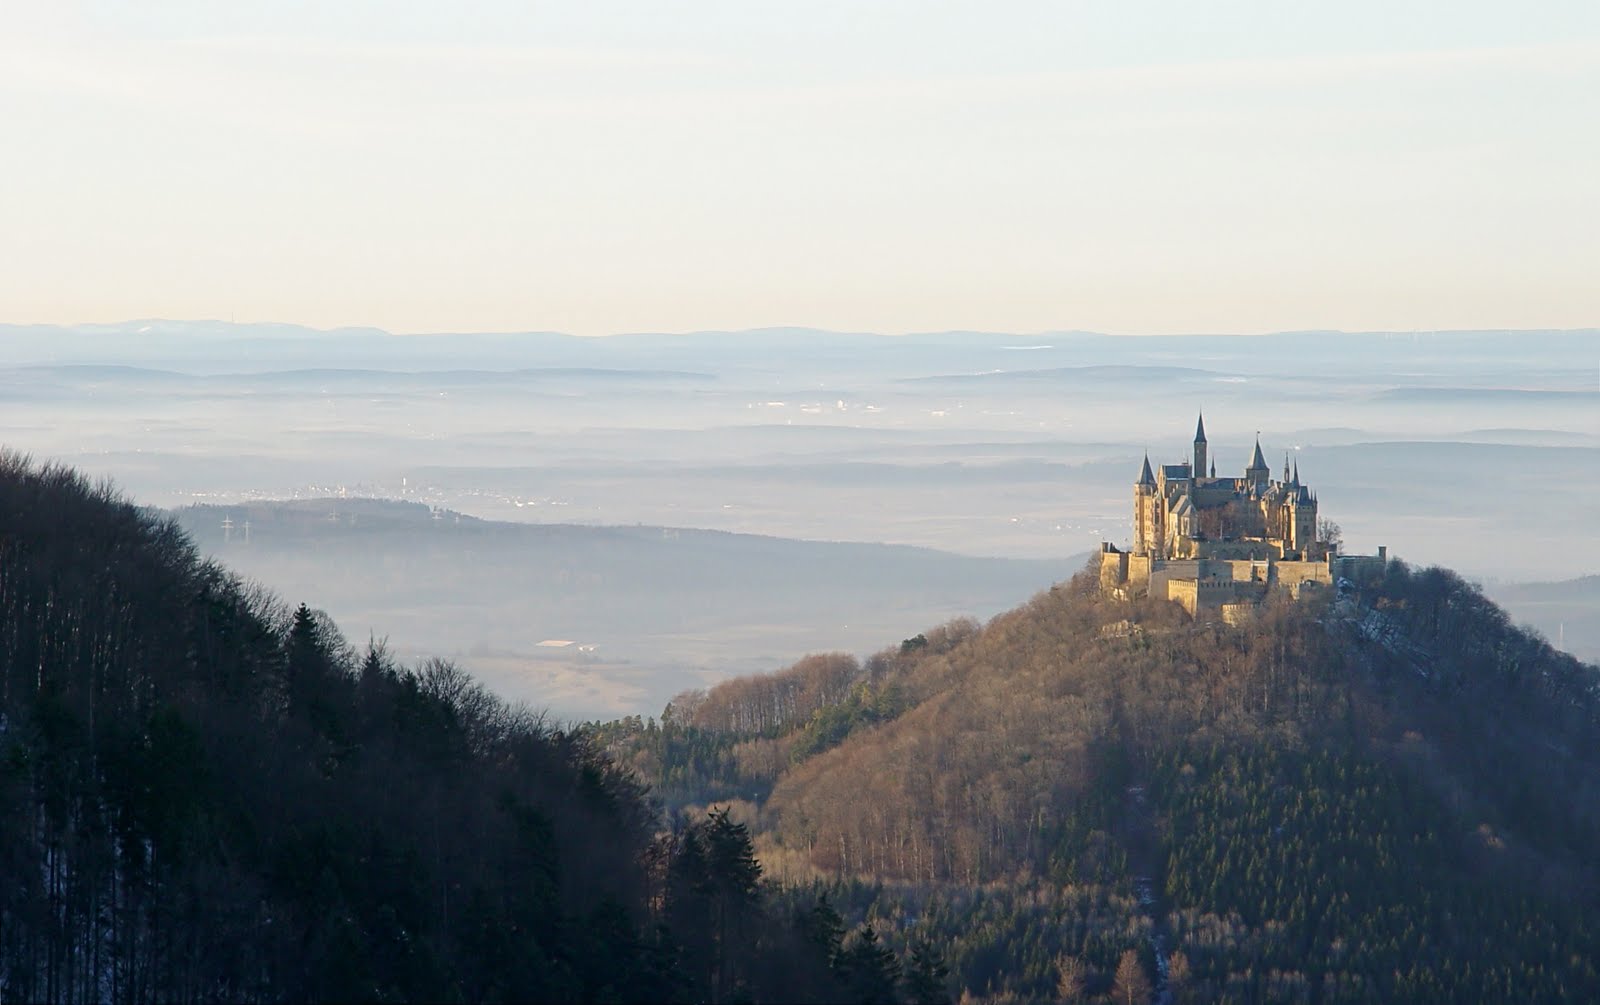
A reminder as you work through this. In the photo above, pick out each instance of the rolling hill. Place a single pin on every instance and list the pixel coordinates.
(1389, 795)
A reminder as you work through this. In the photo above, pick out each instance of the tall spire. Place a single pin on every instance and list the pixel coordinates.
(1258, 462)
(1147, 477)
(1200, 429)
(1200, 449)
(1258, 473)
(1286, 467)
(1297, 471)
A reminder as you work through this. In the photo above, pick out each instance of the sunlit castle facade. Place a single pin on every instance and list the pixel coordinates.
(1181, 511)
(1218, 544)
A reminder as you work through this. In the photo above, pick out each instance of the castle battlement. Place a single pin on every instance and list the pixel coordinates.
(1220, 544)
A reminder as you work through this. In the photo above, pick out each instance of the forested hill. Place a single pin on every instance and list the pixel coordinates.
(208, 796)
(1390, 795)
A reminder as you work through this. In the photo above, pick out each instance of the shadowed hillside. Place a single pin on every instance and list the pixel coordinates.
(208, 796)
(1392, 795)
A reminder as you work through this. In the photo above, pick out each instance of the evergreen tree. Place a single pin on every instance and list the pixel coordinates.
(731, 858)
(714, 901)
(870, 971)
(927, 977)
(822, 927)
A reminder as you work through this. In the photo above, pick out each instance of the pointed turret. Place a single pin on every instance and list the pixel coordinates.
(1296, 482)
(1200, 448)
(1258, 472)
(1200, 429)
(1145, 510)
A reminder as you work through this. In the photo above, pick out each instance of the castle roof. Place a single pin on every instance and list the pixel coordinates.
(1145, 476)
(1258, 462)
(1200, 430)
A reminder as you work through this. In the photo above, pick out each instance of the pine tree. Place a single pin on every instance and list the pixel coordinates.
(823, 927)
(731, 857)
(869, 969)
(926, 979)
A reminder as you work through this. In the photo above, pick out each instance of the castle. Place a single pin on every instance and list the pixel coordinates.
(1217, 545)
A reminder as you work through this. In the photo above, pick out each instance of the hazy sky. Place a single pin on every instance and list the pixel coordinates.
(607, 166)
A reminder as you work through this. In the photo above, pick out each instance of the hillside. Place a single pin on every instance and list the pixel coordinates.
(650, 606)
(1394, 795)
(206, 795)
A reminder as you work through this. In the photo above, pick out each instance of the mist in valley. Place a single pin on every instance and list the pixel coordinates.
(594, 524)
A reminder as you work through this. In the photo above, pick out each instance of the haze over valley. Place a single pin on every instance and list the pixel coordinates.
(1010, 456)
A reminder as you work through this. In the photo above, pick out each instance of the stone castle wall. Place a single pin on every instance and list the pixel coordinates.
(1294, 575)
(1229, 587)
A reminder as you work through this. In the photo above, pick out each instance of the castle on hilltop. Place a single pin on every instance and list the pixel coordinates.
(1217, 545)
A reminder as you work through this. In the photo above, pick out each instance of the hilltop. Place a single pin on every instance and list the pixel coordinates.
(1391, 794)
(178, 343)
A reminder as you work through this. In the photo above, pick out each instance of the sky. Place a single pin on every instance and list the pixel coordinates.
(886, 166)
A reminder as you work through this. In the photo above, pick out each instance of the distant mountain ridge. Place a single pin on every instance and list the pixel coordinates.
(1584, 587)
(285, 346)
(661, 606)
(425, 378)
(1100, 372)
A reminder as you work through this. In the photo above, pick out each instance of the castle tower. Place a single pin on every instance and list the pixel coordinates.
(1258, 473)
(1302, 529)
(1200, 448)
(1146, 532)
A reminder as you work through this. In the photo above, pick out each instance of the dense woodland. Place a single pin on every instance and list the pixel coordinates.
(207, 795)
(1384, 793)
